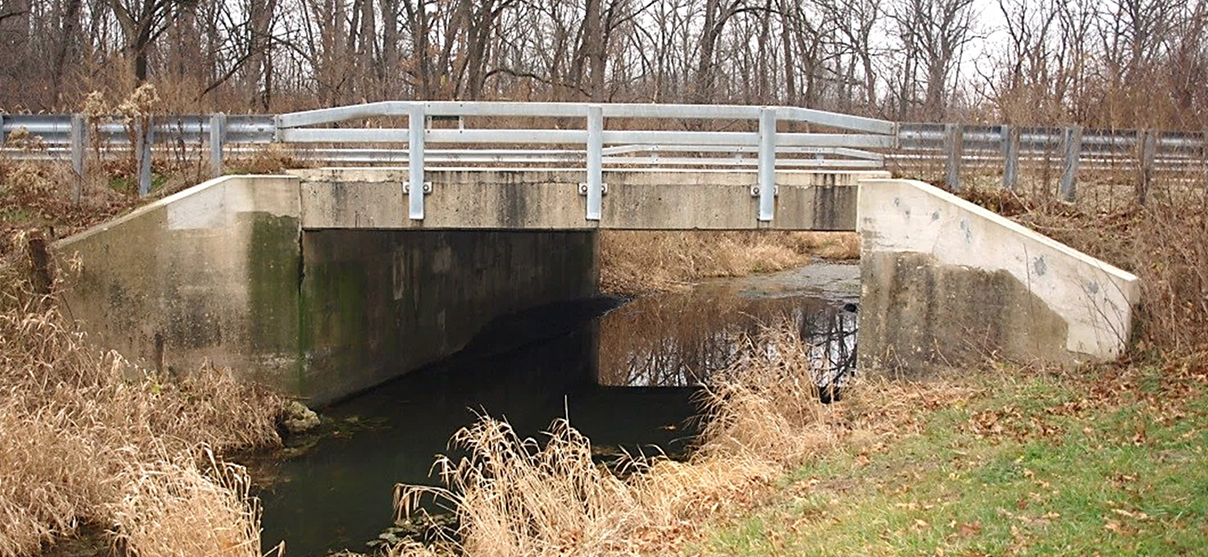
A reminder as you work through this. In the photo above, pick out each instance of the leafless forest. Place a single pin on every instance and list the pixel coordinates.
(1104, 63)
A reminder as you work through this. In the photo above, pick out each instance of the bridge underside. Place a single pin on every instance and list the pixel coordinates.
(543, 199)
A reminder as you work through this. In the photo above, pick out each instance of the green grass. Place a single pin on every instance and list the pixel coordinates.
(1038, 466)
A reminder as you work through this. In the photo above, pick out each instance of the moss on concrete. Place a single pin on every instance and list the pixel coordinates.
(274, 259)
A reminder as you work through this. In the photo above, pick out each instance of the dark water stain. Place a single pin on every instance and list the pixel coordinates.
(627, 376)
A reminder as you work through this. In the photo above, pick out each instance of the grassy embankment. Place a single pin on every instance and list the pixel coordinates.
(1005, 461)
(90, 442)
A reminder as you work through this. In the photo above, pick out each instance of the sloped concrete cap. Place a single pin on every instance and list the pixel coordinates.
(946, 281)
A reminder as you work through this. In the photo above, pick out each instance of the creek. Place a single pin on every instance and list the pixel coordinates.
(627, 374)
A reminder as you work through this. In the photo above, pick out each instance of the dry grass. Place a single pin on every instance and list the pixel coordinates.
(80, 443)
(518, 496)
(642, 261)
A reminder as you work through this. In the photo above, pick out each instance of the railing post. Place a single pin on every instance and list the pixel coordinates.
(1071, 147)
(217, 139)
(954, 148)
(146, 136)
(415, 161)
(1147, 142)
(595, 161)
(1010, 155)
(78, 149)
(767, 164)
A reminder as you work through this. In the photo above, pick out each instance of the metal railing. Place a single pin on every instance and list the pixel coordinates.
(637, 135)
(593, 144)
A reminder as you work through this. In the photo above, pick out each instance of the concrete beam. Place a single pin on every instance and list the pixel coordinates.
(946, 282)
(551, 200)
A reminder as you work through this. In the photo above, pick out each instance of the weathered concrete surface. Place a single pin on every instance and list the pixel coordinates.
(945, 282)
(203, 274)
(224, 271)
(550, 199)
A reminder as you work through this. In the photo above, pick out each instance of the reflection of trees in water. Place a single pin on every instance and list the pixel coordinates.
(831, 337)
(679, 339)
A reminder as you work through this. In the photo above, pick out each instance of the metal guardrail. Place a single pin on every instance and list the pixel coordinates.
(360, 134)
(1074, 147)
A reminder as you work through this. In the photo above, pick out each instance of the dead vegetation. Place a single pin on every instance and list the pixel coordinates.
(88, 438)
(633, 262)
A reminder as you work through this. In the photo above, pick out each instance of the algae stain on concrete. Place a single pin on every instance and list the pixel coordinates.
(274, 262)
(274, 259)
(333, 319)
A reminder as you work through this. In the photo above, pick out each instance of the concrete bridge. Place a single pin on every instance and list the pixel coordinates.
(323, 282)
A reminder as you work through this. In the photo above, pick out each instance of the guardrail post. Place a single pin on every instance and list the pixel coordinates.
(146, 136)
(1204, 157)
(415, 161)
(595, 161)
(1071, 147)
(954, 148)
(1148, 144)
(79, 144)
(217, 139)
(767, 164)
(1, 130)
(1010, 155)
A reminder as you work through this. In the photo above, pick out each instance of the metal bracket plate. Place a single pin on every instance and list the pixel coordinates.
(427, 187)
(583, 188)
(755, 191)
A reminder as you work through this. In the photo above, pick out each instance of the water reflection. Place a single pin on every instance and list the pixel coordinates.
(681, 339)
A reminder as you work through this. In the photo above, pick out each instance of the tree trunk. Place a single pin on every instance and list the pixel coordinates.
(69, 24)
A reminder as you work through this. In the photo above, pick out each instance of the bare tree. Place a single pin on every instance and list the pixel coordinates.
(933, 34)
(143, 22)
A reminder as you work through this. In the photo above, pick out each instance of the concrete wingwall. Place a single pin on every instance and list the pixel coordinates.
(225, 272)
(194, 277)
(946, 282)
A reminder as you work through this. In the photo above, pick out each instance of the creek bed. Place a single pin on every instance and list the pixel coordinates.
(627, 375)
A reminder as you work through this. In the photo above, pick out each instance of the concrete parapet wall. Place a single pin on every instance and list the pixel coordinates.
(946, 282)
(549, 199)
